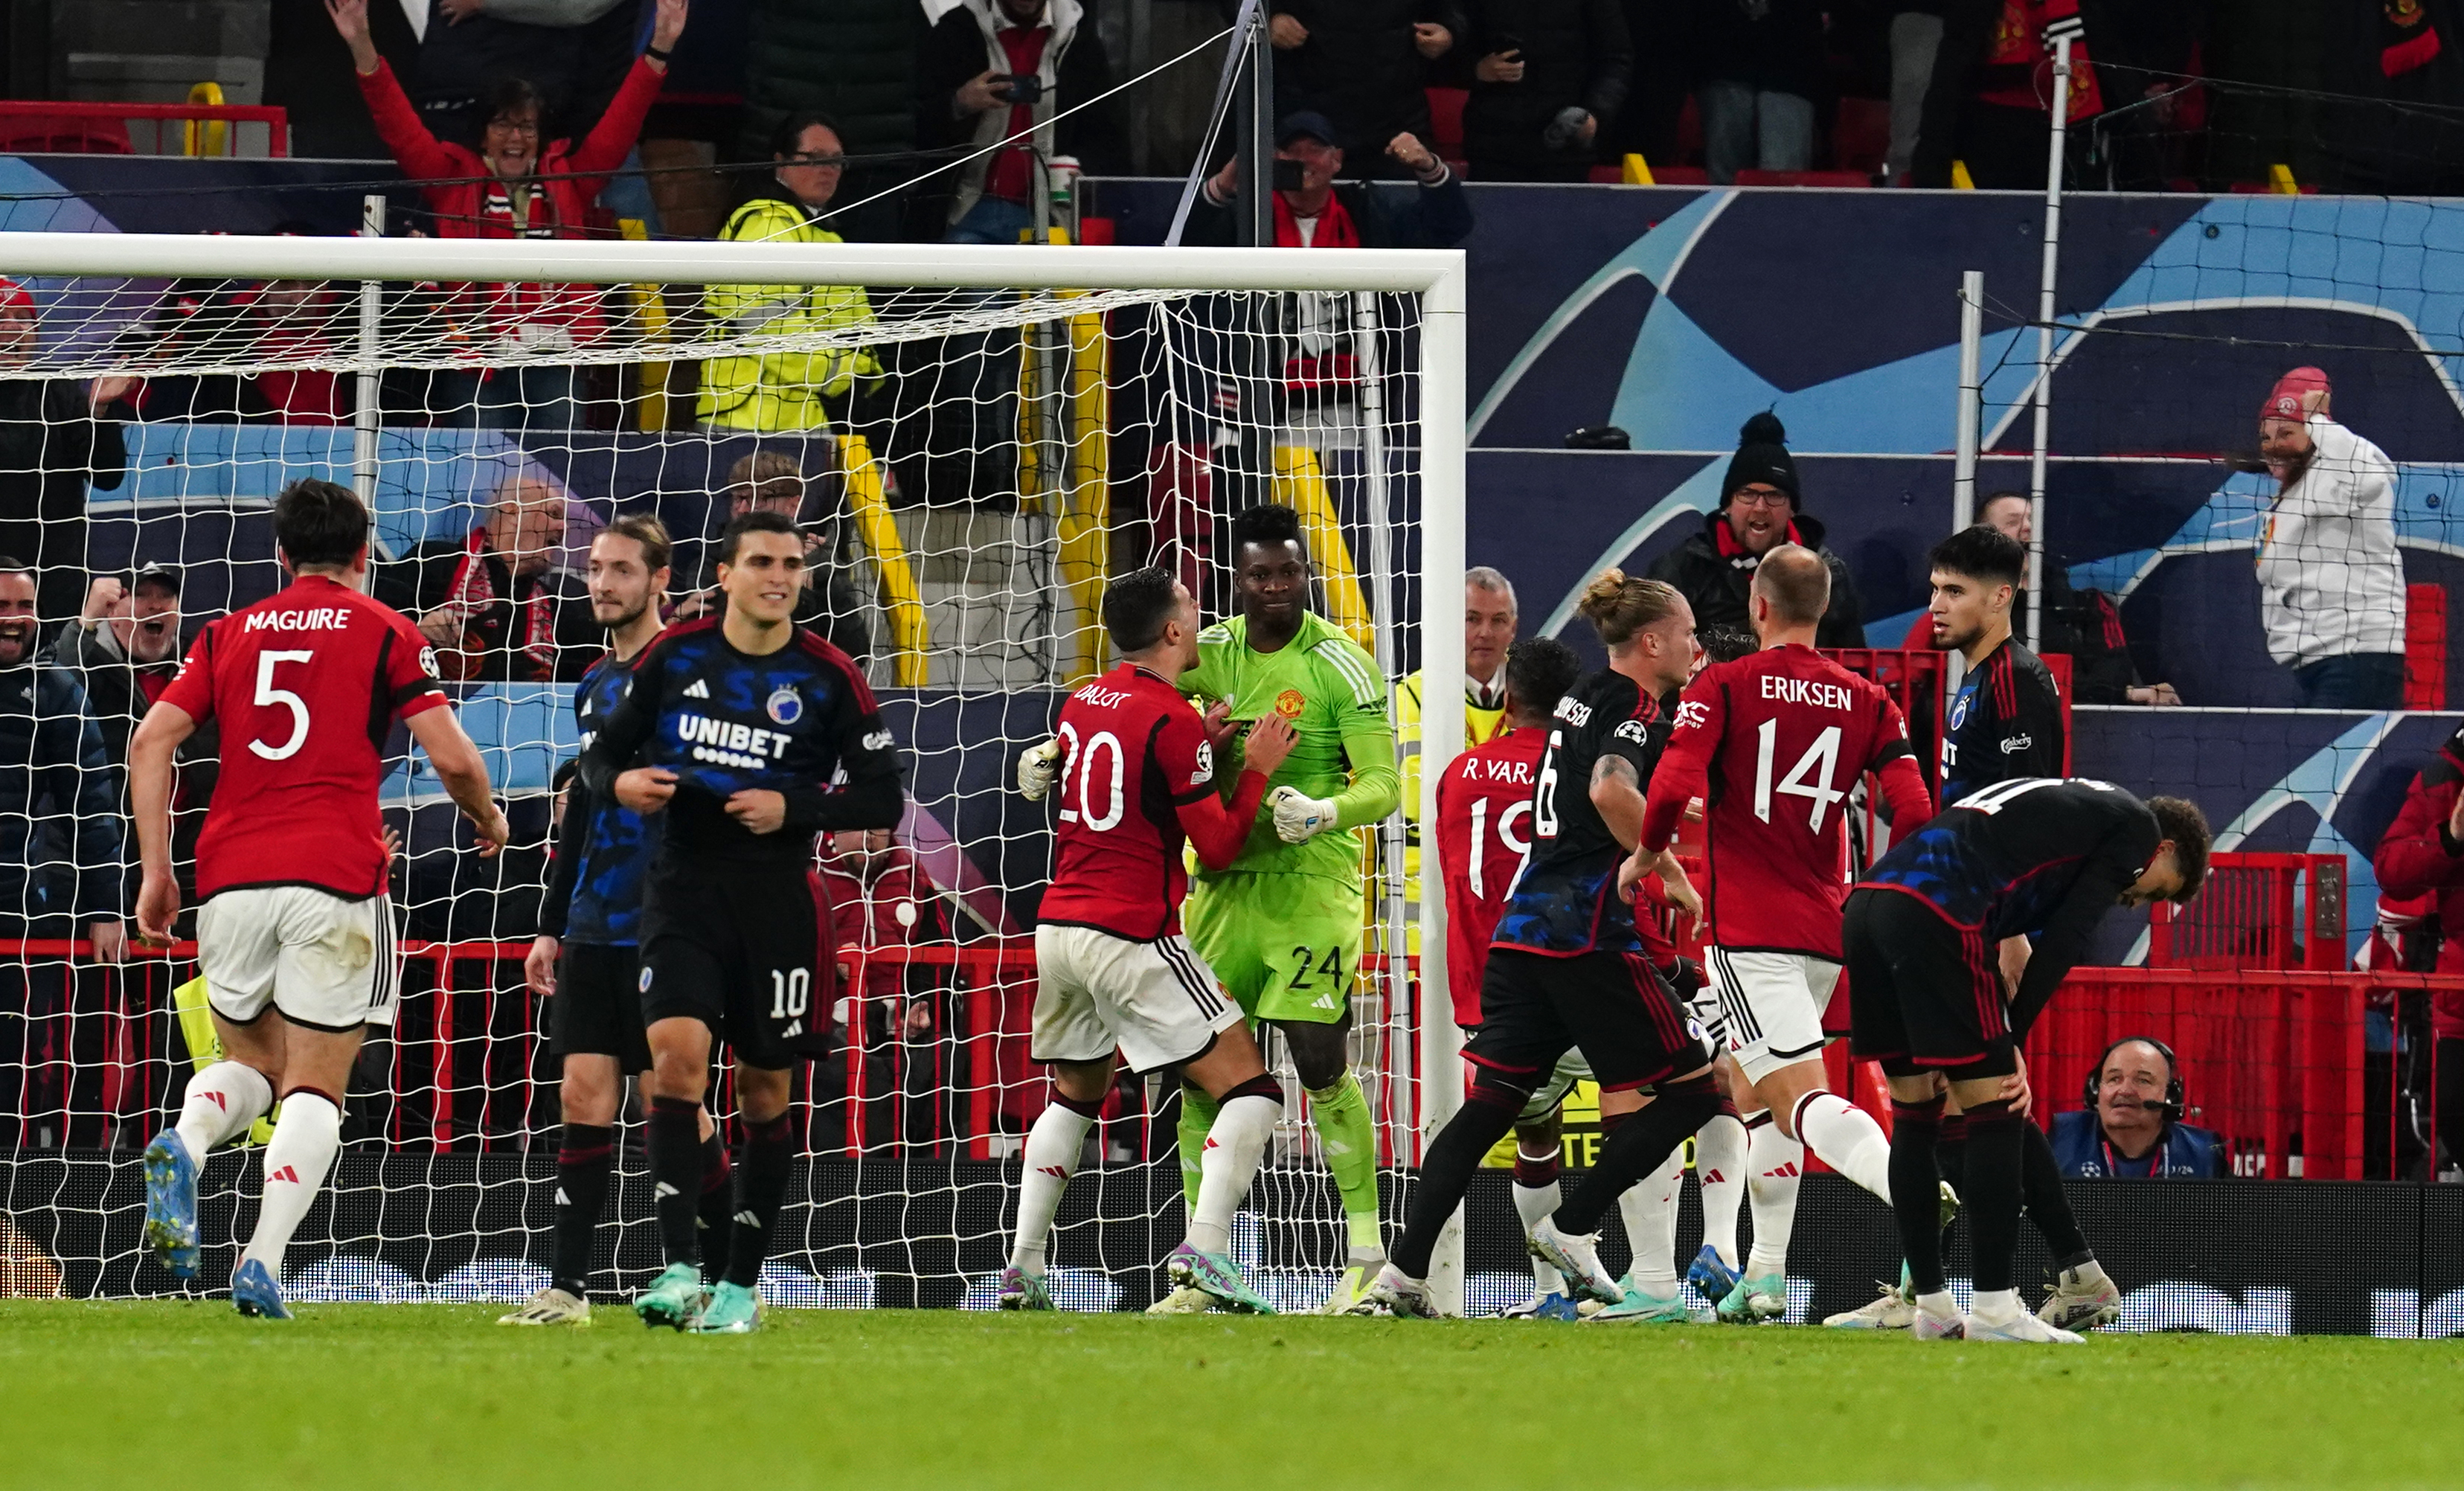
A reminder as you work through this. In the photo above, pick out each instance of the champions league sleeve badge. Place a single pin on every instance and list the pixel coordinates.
(785, 704)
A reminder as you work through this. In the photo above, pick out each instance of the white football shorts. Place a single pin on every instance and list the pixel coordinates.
(1771, 1006)
(322, 961)
(1157, 1001)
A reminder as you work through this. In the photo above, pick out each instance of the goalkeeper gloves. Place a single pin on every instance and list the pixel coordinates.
(1299, 816)
(1039, 767)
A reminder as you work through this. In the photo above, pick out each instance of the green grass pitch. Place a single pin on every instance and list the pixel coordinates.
(190, 1395)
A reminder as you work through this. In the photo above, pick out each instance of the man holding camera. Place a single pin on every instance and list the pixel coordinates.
(2131, 1128)
(1001, 73)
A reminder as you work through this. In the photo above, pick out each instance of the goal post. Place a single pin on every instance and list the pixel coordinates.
(982, 648)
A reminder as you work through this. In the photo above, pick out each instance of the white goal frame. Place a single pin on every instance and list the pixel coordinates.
(1436, 277)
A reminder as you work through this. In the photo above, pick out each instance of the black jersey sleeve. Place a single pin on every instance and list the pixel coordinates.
(2032, 740)
(867, 758)
(627, 726)
(564, 859)
(2111, 868)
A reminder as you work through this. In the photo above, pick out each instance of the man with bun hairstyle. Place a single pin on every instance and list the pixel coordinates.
(1759, 509)
(1567, 966)
(2330, 581)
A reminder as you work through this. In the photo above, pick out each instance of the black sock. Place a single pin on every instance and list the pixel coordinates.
(585, 1155)
(1638, 1145)
(1916, 1189)
(1487, 1116)
(2049, 1206)
(761, 1186)
(1992, 1200)
(1950, 1154)
(676, 1175)
(716, 1215)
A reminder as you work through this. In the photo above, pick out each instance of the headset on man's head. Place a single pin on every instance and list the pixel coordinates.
(2170, 1108)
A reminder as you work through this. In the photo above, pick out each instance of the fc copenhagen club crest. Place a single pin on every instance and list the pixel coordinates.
(1959, 707)
(1289, 703)
(785, 704)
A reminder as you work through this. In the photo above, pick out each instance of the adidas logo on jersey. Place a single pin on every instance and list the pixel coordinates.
(286, 1173)
(698, 688)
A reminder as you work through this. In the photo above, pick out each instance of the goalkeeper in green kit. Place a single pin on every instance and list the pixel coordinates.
(1283, 925)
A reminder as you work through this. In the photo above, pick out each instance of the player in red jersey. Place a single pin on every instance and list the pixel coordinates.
(291, 866)
(1775, 743)
(1113, 974)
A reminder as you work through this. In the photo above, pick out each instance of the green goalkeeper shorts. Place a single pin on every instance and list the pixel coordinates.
(1286, 946)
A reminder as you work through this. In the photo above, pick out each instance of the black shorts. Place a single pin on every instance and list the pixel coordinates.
(597, 1006)
(1922, 995)
(1532, 1009)
(739, 948)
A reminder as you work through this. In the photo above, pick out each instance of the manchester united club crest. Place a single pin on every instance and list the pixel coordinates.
(785, 704)
(1289, 704)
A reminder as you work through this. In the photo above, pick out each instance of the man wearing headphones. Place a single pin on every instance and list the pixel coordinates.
(2131, 1128)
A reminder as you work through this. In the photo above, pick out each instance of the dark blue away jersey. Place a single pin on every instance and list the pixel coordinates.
(2039, 856)
(2005, 722)
(594, 892)
(1566, 901)
(800, 722)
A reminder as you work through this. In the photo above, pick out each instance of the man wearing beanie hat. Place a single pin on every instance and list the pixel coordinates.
(2330, 581)
(1758, 512)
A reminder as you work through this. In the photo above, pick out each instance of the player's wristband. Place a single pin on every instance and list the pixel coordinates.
(658, 55)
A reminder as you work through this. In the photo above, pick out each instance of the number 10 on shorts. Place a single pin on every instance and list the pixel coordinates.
(790, 992)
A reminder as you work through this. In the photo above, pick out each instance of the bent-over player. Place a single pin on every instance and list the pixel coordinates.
(1113, 974)
(295, 935)
(744, 723)
(2039, 855)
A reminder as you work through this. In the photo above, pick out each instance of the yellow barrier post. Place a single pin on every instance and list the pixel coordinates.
(868, 502)
(1638, 172)
(1300, 484)
(2280, 182)
(651, 315)
(204, 137)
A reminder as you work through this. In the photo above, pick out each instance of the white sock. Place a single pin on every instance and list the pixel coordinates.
(1774, 1162)
(1053, 1144)
(222, 1100)
(1531, 1203)
(1995, 1305)
(305, 1139)
(1649, 1207)
(1233, 1145)
(2089, 1272)
(1720, 1164)
(1848, 1140)
(1941, 1306)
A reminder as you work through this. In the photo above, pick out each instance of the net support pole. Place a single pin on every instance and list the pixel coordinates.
(1386, 617)
(1441, 436)
(2054, 155)
(364, 410)
(1971, 399)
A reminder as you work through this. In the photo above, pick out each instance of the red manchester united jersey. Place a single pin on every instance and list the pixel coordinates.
(307, 683)
(1133, 754)
(1483, 836)
(1773, 743)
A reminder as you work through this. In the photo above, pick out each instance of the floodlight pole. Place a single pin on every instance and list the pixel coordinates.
(2045, 341)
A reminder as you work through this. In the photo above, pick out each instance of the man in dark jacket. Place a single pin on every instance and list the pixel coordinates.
(1551, 75)
(2134, 1130)
(1321, 214)
(54, 780)
(1760, 67)
(495, 603)
(1363, 64)
(1714, 569)
(56, 439)
(993, 70)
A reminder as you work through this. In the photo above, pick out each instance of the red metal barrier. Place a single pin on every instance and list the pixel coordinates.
(2256, 910)
(58, 125)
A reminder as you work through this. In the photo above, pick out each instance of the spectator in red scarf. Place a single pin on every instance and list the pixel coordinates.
(513, 186)
(1759, 511)
(1320, 212)
(280, 320)
(1991, 102)
(1026, 70)
(497, 604)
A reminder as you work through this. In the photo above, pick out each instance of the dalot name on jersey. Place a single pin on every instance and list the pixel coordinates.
(726, 743)
(1100, 697)
(1782, 690)
(315, 617)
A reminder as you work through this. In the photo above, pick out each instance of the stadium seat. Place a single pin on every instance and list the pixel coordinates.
(1446, 119)
(1860, 136)
(1607, 175)
(39, 134)
(1754, 178)
(2424, 646)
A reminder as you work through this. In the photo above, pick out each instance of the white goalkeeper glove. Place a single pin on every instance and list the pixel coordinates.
(1299, 816)
(1039, 767)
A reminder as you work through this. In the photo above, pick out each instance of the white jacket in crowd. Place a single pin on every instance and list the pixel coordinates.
(2330, 581)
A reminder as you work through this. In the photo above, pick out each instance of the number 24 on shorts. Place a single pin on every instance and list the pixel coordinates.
(1322, 975)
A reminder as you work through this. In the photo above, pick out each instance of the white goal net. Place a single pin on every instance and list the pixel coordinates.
(975, 440)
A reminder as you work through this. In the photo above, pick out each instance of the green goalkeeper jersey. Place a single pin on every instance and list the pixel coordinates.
(1330, 689)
